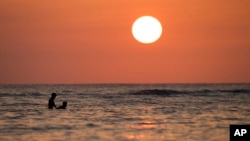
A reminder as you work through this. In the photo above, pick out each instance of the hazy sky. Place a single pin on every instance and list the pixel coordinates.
(90, 41)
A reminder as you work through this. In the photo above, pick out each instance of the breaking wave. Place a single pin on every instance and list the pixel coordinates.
(168, 92)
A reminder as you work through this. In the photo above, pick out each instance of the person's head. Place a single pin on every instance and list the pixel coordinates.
(65, 103)
(53, 95)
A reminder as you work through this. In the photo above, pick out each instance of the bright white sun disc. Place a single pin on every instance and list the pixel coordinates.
(146, 29)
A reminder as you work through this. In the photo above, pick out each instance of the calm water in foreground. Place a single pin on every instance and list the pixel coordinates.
(192, 112)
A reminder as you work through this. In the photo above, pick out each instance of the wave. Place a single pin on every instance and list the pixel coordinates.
(21, 94)
(247, 91)
(169, 92)
(156, 92)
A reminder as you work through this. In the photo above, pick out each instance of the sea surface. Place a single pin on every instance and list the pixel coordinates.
(123, 112)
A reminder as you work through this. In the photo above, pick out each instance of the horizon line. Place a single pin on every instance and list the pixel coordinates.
(132, 83)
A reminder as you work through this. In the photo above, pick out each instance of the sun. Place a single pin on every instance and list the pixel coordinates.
(146, 29)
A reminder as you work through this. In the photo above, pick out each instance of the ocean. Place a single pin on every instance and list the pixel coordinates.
(123, 112)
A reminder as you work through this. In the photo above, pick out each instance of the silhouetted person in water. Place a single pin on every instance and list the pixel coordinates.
(64, 105)
(51, 103)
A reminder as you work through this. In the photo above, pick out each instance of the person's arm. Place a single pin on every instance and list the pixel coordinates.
(54, 104)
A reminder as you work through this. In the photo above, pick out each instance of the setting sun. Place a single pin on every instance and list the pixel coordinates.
(146, 29)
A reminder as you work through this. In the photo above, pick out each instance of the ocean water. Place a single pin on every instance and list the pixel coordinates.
(125, 112)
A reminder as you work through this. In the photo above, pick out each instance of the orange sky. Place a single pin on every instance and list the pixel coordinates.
(90, 41)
